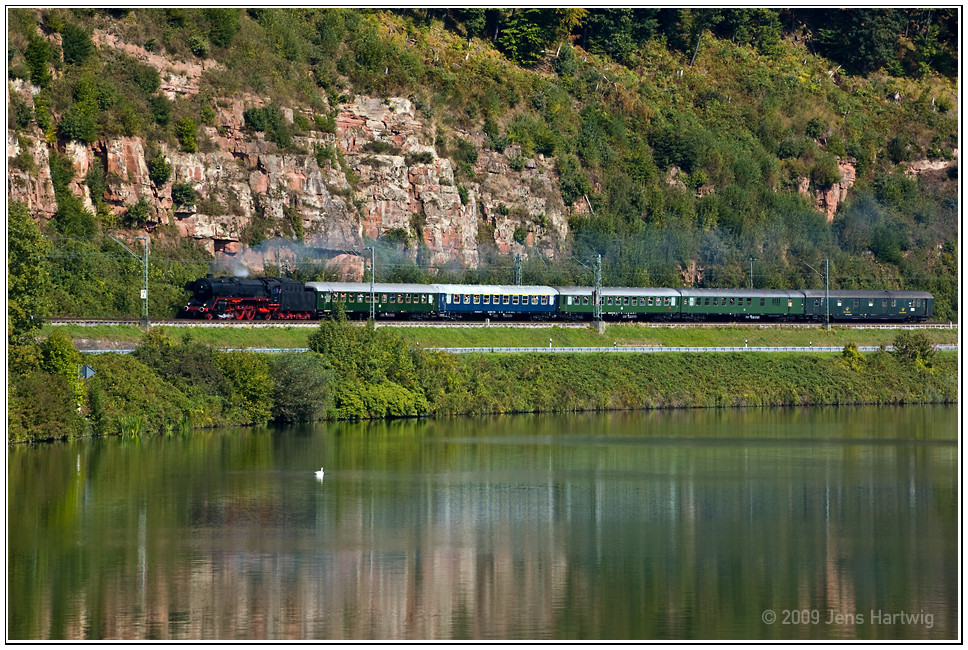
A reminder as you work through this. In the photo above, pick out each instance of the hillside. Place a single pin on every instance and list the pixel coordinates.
(676, 143)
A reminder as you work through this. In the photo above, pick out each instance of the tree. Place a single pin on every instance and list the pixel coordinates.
(59, 357)
(302, 387)
(250, 386)
(914, 347)
(28, 276)
(187, 136)
(76, 44)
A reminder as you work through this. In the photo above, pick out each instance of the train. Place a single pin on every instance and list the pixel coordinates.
(267, 298)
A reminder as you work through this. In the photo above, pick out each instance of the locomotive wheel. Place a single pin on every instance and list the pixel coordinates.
(208, 315)
(267, 316)
(239, 315)
(249, 314)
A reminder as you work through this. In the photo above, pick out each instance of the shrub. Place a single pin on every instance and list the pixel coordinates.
(825, 172)
(159, 169)
(913, 347)
(96, 182)
(58, 356)
(186, 130)
(183, 194)
(161, 109)
(126, 395)
(41, 408)
(250, 387)
(76, 43)
(38, 55)
(270, 120)
(301, 390)
(139, 213)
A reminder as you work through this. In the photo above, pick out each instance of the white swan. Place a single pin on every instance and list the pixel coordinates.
(319, 473)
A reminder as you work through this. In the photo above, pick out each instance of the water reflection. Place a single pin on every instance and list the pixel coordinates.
(682, 524)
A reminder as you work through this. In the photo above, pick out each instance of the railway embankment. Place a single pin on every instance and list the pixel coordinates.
(172, 384)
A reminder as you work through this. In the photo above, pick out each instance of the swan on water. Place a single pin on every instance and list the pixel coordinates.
(319, 473)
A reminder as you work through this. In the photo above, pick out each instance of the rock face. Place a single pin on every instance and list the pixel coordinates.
(827, 200)
(379, 173)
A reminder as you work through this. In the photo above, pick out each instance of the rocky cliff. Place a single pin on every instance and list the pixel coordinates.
(379, 172)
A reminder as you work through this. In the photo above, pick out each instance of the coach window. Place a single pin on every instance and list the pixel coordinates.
(608, 301)
(789, 302)
(856, 303)
(477, 300)
(840, 303)
(626, 301)
(732, 301)
(870, 302)
(487, 299)
(665, 301)
(584, 300)
(544, 300)
(467, 298)
(514, 300)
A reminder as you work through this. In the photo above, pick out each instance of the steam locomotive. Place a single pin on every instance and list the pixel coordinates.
(283, 299)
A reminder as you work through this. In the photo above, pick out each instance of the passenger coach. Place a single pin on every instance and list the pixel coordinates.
(486, 300)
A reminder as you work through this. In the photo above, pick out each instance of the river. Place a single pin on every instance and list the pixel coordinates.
(797, 523)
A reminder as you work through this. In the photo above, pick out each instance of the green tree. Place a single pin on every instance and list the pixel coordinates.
(302, 387)
(58, 356)
(159, 169)
(250, 386)
(913, 347)
(38, 55)
(186, 131)
(77, 44)
(28, 276)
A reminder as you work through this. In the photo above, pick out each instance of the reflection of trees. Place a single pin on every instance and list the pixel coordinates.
(618, 526)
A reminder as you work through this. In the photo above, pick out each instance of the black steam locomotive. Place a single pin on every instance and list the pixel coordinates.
(248, 299)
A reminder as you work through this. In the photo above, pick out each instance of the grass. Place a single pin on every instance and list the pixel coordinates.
(296, 337)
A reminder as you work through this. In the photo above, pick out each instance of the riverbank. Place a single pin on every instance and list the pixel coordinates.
(174, 385)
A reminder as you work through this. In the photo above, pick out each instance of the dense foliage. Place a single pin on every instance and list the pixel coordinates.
(170, 386)
(684, 135)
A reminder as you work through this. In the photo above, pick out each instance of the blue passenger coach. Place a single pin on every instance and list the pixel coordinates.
(491, 300)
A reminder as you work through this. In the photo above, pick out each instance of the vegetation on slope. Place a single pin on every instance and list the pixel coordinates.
(169, 386)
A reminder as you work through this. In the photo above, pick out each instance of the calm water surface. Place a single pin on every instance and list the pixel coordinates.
(705, 524)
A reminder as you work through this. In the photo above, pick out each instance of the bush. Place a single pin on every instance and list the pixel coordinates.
(159, 169)
(183, 194)
(913, 347)
(126, 396)
(77, 44)
(139, 213)
(301, 390)
(250, 387)
(186, 131)
(41, 408)
(270, 120)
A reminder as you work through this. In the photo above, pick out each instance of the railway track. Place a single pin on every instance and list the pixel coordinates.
(171, 322)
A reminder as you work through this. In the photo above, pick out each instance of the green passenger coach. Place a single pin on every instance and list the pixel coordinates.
(619, 302)
(749, 304)
(400, 300)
